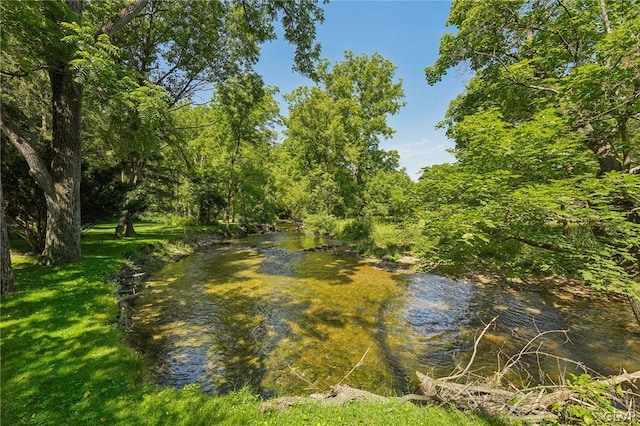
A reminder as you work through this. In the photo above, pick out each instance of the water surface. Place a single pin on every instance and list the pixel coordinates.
(269, 313)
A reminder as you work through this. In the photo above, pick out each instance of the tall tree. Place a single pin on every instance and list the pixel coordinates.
(248, 111)
(334, 130)
(38, 37)
(547, 139)
(227, 148)
(52, 36)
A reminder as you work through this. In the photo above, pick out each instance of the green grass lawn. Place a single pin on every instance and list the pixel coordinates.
(64, 360)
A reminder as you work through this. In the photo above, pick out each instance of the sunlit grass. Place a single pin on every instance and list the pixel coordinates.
(64, 361)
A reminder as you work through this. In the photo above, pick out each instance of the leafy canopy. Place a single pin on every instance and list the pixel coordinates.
(547, 142)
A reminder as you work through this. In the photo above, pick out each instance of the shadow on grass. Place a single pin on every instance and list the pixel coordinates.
(63, 360)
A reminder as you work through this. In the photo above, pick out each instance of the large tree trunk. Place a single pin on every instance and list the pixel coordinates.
(62, 241)
(61, 186)
(6, 272)
(61, 181)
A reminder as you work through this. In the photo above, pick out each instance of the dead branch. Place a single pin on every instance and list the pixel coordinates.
(428, 385)
(475, 351)
(531, 404)
(622, 378)
(526, 349)
(304, 379)
(526, 404)
(359, 363)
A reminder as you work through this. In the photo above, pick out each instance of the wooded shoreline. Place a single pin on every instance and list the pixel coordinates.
(462, 389)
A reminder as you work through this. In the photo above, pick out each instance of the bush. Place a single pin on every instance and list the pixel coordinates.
(357, 230)
(320, 225)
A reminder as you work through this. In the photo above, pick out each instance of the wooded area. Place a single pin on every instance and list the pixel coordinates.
(100, 127)
(98, 122)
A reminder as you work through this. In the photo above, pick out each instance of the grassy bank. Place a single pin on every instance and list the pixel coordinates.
(64, 360)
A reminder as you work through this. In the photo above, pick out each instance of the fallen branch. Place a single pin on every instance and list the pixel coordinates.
(622, 378)
(304, 379)
(537, 403)
(358, 364)
(457, 387)
(525, 404)
(475, 351)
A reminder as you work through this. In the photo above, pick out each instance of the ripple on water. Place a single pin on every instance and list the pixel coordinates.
(250, 312)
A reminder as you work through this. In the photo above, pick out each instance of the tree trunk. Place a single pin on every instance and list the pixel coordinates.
(129, 230)
(635, 305)
(125, 225)
(608, 159)
(62, 241)
(131, 176)
(7, 283)
(227, 217)
(61, 181)
(230, 194)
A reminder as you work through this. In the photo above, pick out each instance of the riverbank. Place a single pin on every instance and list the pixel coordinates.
(64, 359)
(393, 249)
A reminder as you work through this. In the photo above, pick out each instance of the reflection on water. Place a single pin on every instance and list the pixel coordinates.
(250, 313)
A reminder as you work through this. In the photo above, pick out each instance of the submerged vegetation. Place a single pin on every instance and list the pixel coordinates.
(64, 360)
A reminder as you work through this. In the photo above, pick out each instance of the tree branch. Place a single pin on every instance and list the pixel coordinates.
(23, 73)
(514, 78)
(475, 351)
(622, 378)
(186, 88)
(37, 167)
(572, 51)
(122, 18)
(537, 244)
(605, 17)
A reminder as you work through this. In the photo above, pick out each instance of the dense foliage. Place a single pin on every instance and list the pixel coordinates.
(332, 138)
(547, 132)
(226, 152)
(127, 63)
(547, 142)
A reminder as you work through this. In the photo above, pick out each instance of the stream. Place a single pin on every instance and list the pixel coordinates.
(269, 313)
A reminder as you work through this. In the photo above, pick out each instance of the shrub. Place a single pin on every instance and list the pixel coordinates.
(359, 230)
(320, 225)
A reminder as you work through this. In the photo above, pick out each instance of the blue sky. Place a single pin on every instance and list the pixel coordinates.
(408, 34)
